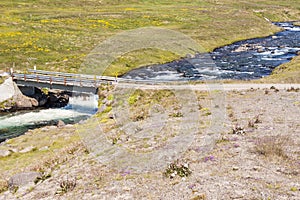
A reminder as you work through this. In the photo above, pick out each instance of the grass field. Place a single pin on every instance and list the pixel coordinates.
(57, 35)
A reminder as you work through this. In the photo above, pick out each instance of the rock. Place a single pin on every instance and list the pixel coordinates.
(235, 168)
(23, 179)
(22, 101)
(7, 90)
(44, 148)
(104, 101)
(52, 127)
(5, 153)
(111, 116)
(57, 100)
(43, 101)
(27, 149)
(34, 102)
(102, 109)
(109, 103)
(260, 50)
(189, 55)
(53, 98)
(69, 125)
(60, 124)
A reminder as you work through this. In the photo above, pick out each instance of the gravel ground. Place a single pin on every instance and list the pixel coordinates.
(253, 153)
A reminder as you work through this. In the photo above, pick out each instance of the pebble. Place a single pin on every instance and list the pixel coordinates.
(44, 148)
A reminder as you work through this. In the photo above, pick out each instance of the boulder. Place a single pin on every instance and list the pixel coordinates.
(53, 98)
(34, 102)
(43, 101)
(4, 153)
(21, 101)
(7, 90)
(27, 149)
(60, 124)
(57, 100)
(23, 179)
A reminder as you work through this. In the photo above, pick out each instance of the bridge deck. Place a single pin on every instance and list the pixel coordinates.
(62, 81)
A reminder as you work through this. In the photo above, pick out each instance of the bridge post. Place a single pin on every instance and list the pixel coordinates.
(11, 71)
(50, 82)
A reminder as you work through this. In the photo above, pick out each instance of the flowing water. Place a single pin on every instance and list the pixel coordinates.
(80, 107)
(247, 59)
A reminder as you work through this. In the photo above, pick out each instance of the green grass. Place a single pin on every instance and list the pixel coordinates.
(53, 139)
(57, 35)
(286, 73)
(2, 79)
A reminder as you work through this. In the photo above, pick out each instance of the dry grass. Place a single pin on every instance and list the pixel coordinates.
(141, 102)
(272, 146)
(3, 185)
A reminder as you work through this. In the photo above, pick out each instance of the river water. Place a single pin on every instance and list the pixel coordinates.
(245, 60)
(80, 107)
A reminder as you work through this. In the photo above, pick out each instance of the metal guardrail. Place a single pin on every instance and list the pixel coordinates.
(67, 79)
(77, 76)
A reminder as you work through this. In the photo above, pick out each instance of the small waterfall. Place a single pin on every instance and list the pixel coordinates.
(80, 107)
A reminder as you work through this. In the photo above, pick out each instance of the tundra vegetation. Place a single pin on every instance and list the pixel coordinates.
(57, 35)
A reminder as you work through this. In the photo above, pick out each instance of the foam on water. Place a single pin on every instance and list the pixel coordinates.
(79, 107)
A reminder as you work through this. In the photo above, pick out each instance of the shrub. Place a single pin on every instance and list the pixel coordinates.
(177, 168)
(66, 185)
(271, 146)
(3, 185)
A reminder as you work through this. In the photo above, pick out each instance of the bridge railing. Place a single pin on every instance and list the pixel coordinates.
(63, 78)
(77, 76)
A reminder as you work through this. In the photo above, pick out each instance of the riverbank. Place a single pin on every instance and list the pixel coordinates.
(256, 155)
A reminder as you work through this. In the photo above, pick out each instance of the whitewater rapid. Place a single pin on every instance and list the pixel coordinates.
(80, 107)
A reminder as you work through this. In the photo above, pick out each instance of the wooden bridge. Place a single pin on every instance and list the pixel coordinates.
(61, 81)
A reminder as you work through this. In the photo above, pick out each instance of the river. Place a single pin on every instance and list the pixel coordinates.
(80, 107)
(243, 60)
